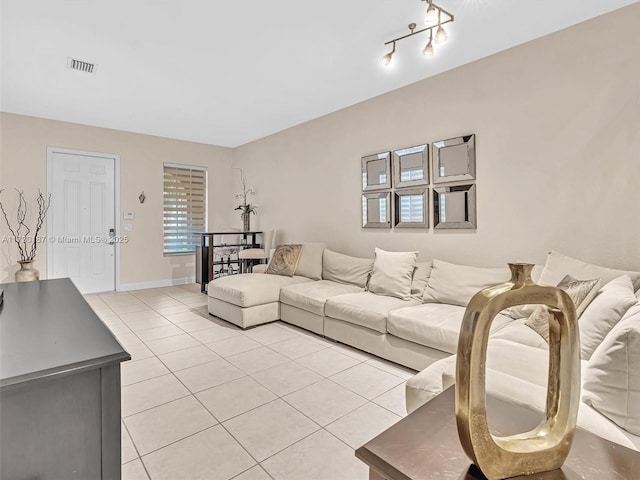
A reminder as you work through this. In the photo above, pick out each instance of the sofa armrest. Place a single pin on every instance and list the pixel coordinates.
(260, 268)
(429, 383)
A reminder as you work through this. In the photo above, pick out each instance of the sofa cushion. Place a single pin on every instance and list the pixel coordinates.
(612, 377)
(311, 296)
(456, 284)
(285, 260)
(392, 273)
(365, 309)
(346, 269)
(559, 265)
(516, 331)
(310, 263)
(250, 289)
(523, 393)
(611, 303)
(433, 325)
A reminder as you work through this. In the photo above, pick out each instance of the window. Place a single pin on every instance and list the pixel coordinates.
(185, 207)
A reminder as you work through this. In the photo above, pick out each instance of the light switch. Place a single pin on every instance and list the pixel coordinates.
(127, 227)
(129, 216)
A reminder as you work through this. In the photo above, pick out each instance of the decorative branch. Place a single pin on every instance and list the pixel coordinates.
(245, 207)
(21, 232)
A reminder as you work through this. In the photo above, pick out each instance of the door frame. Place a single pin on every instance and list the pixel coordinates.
(50, 152)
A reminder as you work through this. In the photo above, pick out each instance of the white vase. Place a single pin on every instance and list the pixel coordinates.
(27, 272)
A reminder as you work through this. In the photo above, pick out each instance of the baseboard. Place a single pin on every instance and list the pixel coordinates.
(126, 287)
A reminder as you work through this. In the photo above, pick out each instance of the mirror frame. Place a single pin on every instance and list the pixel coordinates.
(425, 208)
(366, 223)
(386, 156)
(397, 159)
(470, 141)
(470, 200)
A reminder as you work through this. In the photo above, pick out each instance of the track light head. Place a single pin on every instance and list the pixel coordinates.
(386, 60)
(432, 15)
(428, 49)
(441, 35)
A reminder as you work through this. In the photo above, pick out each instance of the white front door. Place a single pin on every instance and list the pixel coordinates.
(81, 220)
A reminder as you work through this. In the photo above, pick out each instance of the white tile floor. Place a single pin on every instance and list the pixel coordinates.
(202, 399)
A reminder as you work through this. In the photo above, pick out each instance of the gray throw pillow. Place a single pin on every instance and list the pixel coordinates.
(580, 291)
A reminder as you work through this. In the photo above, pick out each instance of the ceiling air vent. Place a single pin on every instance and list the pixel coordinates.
(81, 66)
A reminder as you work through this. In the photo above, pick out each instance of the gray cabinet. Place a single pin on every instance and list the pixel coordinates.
(59, 386)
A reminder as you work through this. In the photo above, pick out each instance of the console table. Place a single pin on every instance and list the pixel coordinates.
(59, 385)
(425, 445)
(206, 262)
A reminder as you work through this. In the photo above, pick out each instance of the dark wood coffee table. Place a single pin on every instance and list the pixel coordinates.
(59, 385)
(425, 445)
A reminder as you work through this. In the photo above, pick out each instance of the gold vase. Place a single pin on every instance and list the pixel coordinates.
(547, 446)
(27, 272)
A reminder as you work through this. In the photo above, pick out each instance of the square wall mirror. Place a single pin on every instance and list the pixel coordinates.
(376, 210)
(411, 166)
(410, 208)
(454, 159)
(376, 172)
(454, 207)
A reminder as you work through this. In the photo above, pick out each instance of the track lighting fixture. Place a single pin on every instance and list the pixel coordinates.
(435, 18)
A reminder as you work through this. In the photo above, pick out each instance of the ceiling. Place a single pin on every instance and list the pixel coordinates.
(229, 72)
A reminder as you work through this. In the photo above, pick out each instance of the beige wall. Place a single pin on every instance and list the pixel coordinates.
(23, 164)
(558, 140)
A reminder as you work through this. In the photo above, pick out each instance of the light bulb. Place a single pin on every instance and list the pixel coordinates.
(432, 15)
(441, 35)
(428, 49)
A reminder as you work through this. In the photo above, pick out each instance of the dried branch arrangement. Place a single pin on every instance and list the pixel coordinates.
(27, 244)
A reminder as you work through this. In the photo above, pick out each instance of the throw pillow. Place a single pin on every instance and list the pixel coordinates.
(559, 265)
(421, 275)
(612, 377)
(456, 284)
(581, 293)
(392, 273)
(611, 303)
(345, 268)
(310, 263)
(285, 260)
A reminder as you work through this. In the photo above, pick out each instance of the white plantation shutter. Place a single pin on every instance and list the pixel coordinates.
(412, 208)
(185, 207)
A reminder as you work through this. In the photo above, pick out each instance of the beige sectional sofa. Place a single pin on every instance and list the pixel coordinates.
(330, 295)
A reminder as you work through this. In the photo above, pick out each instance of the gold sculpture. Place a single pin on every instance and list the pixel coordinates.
(547, 446)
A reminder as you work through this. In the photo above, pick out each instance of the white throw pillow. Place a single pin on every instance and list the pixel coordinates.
(611, 303)
(346, 269)
(559, 265)
(456, 284)
(392, 273)
(421, 275)
(612, 378)
(310, 263)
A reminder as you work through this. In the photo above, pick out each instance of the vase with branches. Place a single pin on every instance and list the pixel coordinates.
(26, 243)
(246, 207)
